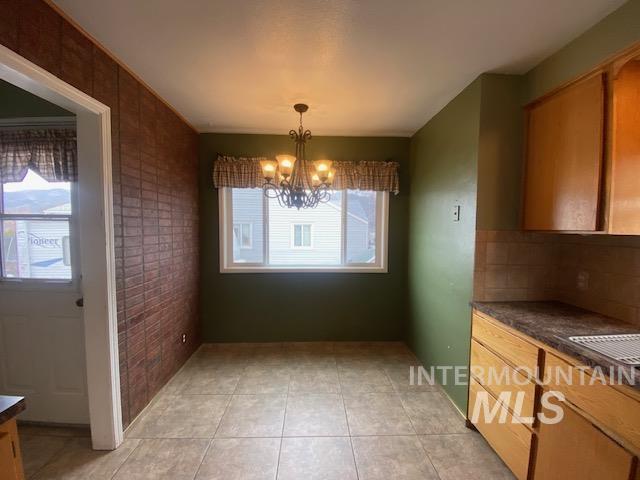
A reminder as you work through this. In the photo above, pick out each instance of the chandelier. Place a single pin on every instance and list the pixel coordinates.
(293, 181)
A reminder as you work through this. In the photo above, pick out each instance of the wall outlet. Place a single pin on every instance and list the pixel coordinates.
(184, 338)
(582, 282)
(456, 213)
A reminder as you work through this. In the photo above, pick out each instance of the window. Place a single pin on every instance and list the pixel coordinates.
(348, 233)
(301, 235)
(35, 217)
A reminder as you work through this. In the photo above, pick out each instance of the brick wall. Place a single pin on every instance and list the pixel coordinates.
(155, 199)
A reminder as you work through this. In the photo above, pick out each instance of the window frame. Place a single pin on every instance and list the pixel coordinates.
(225, 234)
(47, 283)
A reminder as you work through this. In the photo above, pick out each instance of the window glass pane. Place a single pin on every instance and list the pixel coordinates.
(246, 235)
(247, 225)
(306, 235)
(34, 195)
(319, 233)
(297, 235)
(361, 226)
(36, 249)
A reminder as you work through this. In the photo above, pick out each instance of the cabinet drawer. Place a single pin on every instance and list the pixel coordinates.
(575, 448)
(615, 410)
(499, 378)
(510, 440)
(510, 347)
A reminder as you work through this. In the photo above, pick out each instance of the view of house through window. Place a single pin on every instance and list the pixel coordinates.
(345, 232)
(35, 216)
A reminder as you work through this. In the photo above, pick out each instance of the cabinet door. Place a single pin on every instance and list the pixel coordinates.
(624, 215)
(7, 465)
(564, 158)
(575, 449)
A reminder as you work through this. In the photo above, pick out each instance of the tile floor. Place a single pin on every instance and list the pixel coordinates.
(300, 411)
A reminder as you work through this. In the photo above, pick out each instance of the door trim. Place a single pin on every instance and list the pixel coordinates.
(97, 259)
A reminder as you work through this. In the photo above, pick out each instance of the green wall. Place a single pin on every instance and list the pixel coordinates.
(245, 307)
(17, 103)
(612, 34)
(443, 173)
(472, 150)
(500, 152)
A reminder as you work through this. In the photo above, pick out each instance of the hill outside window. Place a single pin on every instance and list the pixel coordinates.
(37, 183)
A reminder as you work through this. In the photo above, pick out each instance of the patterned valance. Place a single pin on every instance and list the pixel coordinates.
(245, 172)
(52, 154)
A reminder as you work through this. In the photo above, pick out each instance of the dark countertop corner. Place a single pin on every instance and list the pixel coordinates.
(552, 323)
(10, 407)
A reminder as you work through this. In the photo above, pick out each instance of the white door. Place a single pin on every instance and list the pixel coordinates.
(42, 353)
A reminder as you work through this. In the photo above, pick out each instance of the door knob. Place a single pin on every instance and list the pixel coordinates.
(80, 302)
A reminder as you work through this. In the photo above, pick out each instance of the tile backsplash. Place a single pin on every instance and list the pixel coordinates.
(597, 272)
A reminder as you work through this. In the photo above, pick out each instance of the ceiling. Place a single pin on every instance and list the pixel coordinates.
(365, 67)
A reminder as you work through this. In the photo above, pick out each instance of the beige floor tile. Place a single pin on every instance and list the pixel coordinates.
(178, 381)
(399, 458)
(241, 459)
(309, 354)
(377, 414)
(264, 379)
(37, 450)
(364, 379)
(314, 379)
(268, 354)
(315, 415)
(49, 431)
(164, 459)
(464, 457)
(408, 378)
(324, 458)
(212, 381)
(253, 416)
(432, 412)
(182, 416)
(77, 461)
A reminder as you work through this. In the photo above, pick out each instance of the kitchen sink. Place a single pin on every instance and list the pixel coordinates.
(624, 348)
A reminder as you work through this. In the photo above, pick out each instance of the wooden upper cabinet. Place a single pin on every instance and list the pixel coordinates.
(624, 200)
(565, 144)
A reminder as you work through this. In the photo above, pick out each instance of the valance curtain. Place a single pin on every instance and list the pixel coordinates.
(245, 172)
(52, 154)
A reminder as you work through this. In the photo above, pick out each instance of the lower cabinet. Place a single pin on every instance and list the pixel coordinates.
(506, 435)
(575, 448)
(10, 458)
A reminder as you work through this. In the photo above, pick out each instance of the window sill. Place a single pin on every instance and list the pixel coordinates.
(308, 269)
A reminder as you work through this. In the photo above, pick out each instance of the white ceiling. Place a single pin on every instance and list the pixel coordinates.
(365, 67)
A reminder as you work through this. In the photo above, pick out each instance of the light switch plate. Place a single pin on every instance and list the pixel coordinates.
(456, 213)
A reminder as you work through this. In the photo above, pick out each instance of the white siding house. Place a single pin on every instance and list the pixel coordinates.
(317, 241)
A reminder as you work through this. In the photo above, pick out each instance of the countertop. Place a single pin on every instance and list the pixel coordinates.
(551, 323)
(10, 407)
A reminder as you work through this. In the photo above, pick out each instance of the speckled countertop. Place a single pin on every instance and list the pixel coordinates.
(10, 407)
(552, 323)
